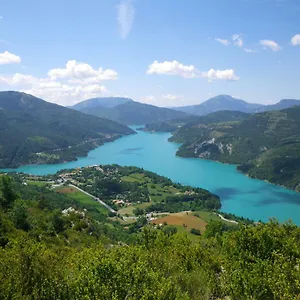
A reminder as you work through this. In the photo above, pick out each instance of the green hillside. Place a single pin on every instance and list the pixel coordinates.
(188, 122)
(35, 131)
(134, 113)
(56, 246)
(106, 102)
(266, 145)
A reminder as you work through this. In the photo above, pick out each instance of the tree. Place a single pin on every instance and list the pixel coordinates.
(214, 228)
(58, 222)
(8, 194)
(138, 212)
(195, 231)
(19, 215)
(170, 230)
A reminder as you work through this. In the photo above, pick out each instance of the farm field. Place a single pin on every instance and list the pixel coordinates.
(84, 199)
(38, 183)
(157, 191)
(184, 220)
(129, 209)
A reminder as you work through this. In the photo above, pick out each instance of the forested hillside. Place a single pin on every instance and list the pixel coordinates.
(51, 247)
(106, 102)
(35, 131)
(265, 145)
(133, 113)
(188, 122)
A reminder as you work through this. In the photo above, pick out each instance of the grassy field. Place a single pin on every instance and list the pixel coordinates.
(38, 183)
(129, 209)
(159, 193)
(136, 177)
(84, 199)
(210, 216)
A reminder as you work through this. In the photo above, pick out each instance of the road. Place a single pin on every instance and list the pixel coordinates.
(224, 219)
(97, 199)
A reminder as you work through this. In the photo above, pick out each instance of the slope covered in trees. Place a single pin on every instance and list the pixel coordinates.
(133, 113)
(35, 131)
(265, 145)
(47, 254)
(216, 117)
(105, 102)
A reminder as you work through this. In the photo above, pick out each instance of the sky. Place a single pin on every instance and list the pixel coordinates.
(161, 52)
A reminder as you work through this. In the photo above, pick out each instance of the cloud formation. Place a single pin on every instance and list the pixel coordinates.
(269, 44)
(82, 73)
(295, 40)
(176, 68)
(77, 81)
(223, 41)
(171, 97)
(228, 74)
(238, 40)
(9, 58)
(173, 68)
(125, 18)
(248, 50)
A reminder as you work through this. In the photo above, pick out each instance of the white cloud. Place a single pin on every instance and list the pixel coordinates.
(173, 68)
(51, 90)
(171, 97)
(248, 50)
(228, 74)
(238, 40)
(176, 68)
(126, 13)
(148, 99)
(295, 40)
(9, 58)
(64, 94)
(223, 41)
(269, 44)
(82, 73)
(76, 82)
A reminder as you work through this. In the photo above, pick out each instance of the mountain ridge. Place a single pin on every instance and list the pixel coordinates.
(107, 102)
(134, 113)
(226, 102)
(35, 131)
(265, 145)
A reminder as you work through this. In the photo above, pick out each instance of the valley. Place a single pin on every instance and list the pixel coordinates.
(239, 194)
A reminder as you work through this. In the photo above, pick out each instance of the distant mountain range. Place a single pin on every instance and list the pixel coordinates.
(283, 104)
(226, 102)
(127, 111)
(35, 131)
(107, 102)
(190, 121)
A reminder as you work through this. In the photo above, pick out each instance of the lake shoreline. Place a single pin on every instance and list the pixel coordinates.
(240, 195)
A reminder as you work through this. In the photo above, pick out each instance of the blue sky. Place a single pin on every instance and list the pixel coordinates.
(163, 52)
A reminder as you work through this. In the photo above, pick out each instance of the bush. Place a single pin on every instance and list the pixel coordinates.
(195, 231)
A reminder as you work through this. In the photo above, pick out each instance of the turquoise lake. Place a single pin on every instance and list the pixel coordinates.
(239, 194)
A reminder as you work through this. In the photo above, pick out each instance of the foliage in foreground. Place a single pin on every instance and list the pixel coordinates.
(253, 263)
(49, 255)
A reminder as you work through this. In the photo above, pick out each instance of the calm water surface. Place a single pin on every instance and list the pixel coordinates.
(240, 195)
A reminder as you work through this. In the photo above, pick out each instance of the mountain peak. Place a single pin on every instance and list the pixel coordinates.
(106, 102)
